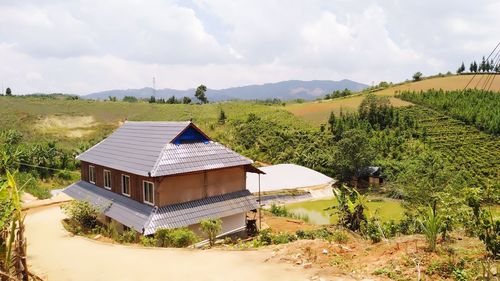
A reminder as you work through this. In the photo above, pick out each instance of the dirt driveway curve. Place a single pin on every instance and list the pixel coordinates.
(54, 255)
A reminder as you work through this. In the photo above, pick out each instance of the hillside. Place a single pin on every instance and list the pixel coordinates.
(285, 90)
(317, 112)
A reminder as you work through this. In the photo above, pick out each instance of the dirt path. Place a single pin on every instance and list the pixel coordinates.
(55, 255)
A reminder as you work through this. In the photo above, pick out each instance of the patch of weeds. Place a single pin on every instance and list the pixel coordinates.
(337, 261)
(391, 272)
(338, 236)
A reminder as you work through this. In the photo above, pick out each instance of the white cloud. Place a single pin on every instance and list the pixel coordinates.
(90, 45)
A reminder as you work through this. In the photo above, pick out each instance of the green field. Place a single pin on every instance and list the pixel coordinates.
(70, 122)
(474, 153)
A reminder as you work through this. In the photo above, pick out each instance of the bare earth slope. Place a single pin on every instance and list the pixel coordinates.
(54, 255)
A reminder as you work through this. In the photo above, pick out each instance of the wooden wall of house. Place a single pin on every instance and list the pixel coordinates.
(193, 186)
(116, 181)
(176, 188)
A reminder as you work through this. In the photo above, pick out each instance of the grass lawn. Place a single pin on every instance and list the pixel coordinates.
(385, 208)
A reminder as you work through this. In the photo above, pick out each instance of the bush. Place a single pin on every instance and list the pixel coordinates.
(211, 227)
(409, 225)
(265, 237)
(81, 212)
(431, 225)
(128, 236)
(111, 231)
(283, 238)
(340, 237)
(371, 230)
(29, 184)
(390, 228)
(147, 241)
(178, 237)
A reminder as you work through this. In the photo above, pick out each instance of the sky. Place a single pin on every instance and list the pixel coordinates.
(85, 46)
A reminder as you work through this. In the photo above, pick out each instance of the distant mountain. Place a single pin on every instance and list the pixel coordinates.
(285, 90)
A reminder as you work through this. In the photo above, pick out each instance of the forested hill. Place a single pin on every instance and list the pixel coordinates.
(285, 90)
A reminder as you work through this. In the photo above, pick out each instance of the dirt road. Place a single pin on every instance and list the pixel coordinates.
(55, 255)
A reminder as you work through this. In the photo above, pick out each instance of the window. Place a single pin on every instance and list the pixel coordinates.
(126, 185)
(107, 179)
(148, 191)
(92, 174)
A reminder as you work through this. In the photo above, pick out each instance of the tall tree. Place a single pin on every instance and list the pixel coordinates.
(482, 66)
(461, 68)
(354, 153)
(471, 68)
(200, 94)
(417, 76)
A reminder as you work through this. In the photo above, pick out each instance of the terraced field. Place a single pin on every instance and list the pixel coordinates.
(317, 112)
(473, 152)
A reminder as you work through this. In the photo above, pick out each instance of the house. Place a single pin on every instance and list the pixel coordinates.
(151, 175)
(370, 176)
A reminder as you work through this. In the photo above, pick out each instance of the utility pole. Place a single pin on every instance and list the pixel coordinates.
(154, 86)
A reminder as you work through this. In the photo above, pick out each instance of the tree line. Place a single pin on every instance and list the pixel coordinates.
(484, 66)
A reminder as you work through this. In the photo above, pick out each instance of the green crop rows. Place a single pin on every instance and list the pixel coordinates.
(470, 151)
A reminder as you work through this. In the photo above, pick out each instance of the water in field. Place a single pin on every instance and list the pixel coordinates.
(386, 209)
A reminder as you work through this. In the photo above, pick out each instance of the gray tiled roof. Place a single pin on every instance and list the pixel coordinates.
(123, 209)
(188, 213)
(189, 157)
(144, 218)
(145, 148)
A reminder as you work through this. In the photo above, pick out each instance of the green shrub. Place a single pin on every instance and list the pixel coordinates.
(177, 237)
(265, 237)
(340, 237)
(323, 233)
(409, 225)
(431, 225)
(390, 228)
(111, 231)
(211, 227)
(371, 230)
(283, 238)
(129, 236)
(147, 241)
(29, 184)
(64, 175)
(81, 212)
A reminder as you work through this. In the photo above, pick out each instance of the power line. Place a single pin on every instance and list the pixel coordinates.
(490, 76)
(470, 81)
(47, 168)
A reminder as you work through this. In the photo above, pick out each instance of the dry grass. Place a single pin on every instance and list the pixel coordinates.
(317, 112)
(68, 126)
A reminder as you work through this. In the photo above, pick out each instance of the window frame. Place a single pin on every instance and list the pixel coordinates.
(144, 192)
(122, 177)
(92, 174)
(104, 179)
